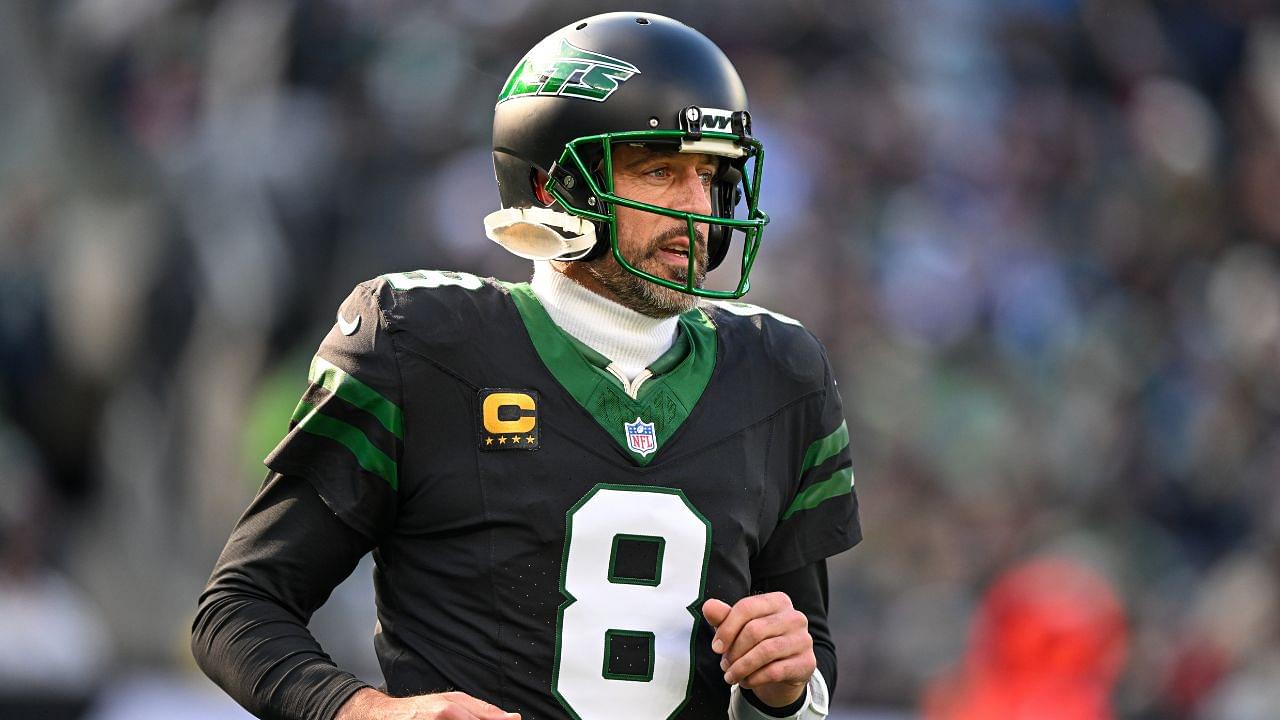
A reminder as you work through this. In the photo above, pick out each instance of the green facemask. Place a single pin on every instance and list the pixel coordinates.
(752, 226)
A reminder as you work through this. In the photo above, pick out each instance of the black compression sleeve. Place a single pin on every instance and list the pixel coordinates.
(807, 588)
(284, 557)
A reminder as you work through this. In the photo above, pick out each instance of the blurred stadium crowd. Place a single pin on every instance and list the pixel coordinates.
(1040, 239)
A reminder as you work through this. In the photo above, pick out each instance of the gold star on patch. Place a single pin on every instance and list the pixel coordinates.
(530, 439)
(502, 440)
(488, 441)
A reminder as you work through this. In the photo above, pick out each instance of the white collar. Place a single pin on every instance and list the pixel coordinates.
(631, 340)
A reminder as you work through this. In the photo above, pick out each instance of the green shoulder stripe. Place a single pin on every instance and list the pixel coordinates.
(370, 458)
(344, 385)
(840, 483)
(826, 448)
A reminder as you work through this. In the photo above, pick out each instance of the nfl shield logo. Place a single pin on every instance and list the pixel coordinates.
(640, 437)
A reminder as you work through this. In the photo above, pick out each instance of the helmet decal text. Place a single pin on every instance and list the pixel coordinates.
(573, 72)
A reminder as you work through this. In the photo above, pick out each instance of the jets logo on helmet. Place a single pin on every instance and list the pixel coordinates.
(574, 72)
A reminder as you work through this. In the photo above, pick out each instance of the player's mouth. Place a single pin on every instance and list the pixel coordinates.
(674, 260)
(671, 256)
(679, 253)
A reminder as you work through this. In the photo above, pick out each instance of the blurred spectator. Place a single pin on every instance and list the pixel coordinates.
(54, 647)
(1048, 643)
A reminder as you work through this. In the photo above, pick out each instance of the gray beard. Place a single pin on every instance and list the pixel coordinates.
(638, 294)
(643, 296)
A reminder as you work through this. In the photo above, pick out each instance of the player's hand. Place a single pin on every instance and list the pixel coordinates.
(765, 646)
(369, 704)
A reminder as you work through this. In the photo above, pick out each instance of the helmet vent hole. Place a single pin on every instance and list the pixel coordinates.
(580, 26)
(642, 21)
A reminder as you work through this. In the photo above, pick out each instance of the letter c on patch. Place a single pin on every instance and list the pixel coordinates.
(522, 424)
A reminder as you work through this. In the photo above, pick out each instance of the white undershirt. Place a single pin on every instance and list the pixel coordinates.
(630, 340)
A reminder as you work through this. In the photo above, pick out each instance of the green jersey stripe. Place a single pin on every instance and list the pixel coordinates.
(826, 448)
(346, 386)
(666, 399)
(840, 483)
(369, 456)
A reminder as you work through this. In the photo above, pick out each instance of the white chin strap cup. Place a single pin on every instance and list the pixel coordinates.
(533, 233)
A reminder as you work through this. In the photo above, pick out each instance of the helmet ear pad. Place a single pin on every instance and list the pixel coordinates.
(572, 186)
(726, 193)
(518, 182)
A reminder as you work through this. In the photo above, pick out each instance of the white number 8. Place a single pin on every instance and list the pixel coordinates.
(602, 606)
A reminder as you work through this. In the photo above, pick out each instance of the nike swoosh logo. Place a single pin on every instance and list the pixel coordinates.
(347, 328)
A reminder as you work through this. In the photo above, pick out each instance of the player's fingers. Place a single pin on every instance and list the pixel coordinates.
(760, 629)
(715, 611)
(795, 670)
(451, 711)
(781, 648)
(479, 708)
(743, 612)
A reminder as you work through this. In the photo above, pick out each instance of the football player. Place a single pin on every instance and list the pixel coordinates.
(605, 494)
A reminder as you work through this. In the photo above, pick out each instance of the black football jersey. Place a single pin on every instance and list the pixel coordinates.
(546, 533)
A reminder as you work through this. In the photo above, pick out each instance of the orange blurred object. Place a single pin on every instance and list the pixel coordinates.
(1048, 643)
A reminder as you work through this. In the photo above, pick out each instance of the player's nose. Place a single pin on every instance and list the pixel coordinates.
(691, 194)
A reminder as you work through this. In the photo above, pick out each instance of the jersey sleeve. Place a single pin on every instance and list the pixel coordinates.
(346, 435)
(283, 559)
(820, 518)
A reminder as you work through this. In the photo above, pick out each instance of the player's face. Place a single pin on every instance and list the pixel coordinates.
(653, 243)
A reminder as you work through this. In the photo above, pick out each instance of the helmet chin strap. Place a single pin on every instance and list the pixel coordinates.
(540, 233)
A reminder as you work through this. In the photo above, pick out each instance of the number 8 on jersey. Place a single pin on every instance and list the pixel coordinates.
(610, 605)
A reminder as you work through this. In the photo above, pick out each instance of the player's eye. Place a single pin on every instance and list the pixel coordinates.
(659, 172)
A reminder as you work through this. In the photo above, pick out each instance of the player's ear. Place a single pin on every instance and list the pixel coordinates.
(539, 181)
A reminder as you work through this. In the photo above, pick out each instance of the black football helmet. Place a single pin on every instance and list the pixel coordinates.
(623, 77)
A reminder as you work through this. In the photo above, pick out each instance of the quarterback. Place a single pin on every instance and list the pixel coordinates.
(605, 494)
